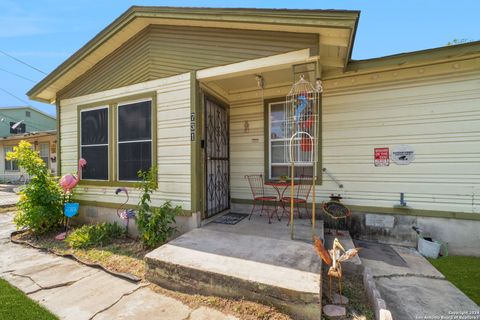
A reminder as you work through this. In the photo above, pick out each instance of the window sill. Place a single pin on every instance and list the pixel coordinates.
(87, 183)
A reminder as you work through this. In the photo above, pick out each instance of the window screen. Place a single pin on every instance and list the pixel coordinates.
(94, 143)
(134, 139)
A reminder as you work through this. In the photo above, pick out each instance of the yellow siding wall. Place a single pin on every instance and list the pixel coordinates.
(439, 118)
(173, 133)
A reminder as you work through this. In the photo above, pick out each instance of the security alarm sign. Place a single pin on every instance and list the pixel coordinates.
(403, 154)
(381, 157)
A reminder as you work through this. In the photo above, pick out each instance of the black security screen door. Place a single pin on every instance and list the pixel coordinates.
(217, 158)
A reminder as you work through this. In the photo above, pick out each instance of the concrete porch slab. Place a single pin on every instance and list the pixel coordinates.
(259, 226)
(276, 272)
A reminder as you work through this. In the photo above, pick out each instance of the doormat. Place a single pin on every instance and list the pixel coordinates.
(231, 218)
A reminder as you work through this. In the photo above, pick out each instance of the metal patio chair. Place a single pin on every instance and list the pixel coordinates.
(303, 188)
(257, 187)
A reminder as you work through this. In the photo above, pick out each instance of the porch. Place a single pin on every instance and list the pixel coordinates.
(241, 129)
(250, 260)
(232, 137)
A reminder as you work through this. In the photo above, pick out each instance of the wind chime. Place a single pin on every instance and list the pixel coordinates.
(301, 125)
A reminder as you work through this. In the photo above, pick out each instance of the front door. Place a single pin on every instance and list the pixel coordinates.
(216, 158)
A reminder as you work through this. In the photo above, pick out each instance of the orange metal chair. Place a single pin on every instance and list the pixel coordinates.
(257, 186)
(303, 188)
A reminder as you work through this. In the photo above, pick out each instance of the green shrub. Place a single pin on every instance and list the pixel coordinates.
(95, 235)
(40, 206)
(155, 225)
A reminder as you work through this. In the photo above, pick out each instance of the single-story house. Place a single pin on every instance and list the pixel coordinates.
(45, 142)
(198, 92)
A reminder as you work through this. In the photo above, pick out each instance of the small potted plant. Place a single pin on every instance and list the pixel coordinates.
(283, 178)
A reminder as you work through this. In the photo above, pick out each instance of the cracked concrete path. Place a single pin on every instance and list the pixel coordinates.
(73, 291)
(8, 197)
(411, 287)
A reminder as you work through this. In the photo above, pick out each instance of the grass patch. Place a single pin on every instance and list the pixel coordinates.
(122, 255)
(15, 305)
(463, 272)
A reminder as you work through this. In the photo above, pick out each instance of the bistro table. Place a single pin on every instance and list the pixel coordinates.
(280, 187)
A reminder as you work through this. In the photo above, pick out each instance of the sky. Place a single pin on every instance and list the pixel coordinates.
(44, 33)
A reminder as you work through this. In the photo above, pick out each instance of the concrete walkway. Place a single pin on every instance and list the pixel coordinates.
(8, 198)
(76, 292)
(411, 286)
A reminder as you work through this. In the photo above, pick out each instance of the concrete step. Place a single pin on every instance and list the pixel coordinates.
(282, 273)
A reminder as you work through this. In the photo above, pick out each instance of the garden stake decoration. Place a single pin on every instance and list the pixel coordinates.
(68, 182)
(301, 126)
(124, 213)
(333, 259)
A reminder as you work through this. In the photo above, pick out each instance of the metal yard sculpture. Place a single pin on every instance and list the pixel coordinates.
(301, 126)
(333, 258)
(124, 213)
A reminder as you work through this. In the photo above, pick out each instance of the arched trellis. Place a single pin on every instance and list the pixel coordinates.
(302, 126)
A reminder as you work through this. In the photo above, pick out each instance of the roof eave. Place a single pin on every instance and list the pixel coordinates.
(318, 18)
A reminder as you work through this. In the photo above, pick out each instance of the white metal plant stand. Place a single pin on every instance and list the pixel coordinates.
(302, 126)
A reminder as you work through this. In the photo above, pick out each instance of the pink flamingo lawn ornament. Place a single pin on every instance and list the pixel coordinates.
(69, 181)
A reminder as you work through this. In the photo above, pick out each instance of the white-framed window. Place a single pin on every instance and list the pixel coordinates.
(44, 151)
(10, 165)
(94, 145)
(278, 143)
(134, 138)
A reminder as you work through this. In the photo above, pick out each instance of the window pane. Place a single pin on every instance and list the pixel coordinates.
(279, 152)
(277, 112)
(10, 165)
(97, 162)
(44, 150)
(94, 126)
(132, 157)
(135, 121)
(278, 171)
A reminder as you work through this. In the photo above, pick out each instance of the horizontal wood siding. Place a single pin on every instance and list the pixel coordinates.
(173, 141)
(440, 119)
(162, 51)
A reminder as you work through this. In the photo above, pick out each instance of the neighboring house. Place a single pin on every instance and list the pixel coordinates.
(166, 86)
(32, 125)
(28, 119)
(43, 141)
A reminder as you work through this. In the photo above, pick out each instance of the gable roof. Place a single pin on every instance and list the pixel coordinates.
(335, 27)
(28, 108)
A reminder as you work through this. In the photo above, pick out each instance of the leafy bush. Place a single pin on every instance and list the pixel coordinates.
(40, 207)
(95, 235)
(155, 225)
